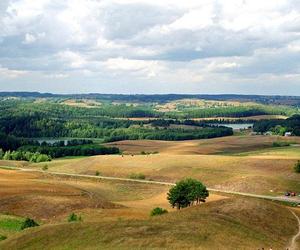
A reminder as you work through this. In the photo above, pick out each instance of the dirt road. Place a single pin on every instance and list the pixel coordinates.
(266, 197)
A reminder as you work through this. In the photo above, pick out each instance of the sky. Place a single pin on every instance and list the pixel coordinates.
(150, 46)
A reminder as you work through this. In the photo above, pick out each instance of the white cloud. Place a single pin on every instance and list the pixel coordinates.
(8, 73)
(218, 44)
(72, 59)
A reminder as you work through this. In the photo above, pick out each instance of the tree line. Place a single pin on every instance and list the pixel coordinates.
(279, 126)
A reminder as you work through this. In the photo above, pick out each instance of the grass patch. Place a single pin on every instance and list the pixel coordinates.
(11, 223)
(137, 176)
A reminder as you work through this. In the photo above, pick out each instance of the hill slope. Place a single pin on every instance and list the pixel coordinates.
(227, 224)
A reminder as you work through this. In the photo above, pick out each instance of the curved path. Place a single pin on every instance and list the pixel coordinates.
(293, 245)
(267, 197)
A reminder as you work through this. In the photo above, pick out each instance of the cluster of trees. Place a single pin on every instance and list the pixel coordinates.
(13, 148)
(167, 134)
(231, 111)
(278, 126)
(79, 150)
(24, 156)
(168, 122)
(61, 143)
(186, 193)
(8, 142)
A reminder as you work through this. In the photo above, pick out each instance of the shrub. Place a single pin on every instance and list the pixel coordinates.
(297, 167)
(281, 144)
(158, 211)
(29, 223)
(137, 176)
(97, 173)
(74, 217)
(2, 237)
(45, 167)
(42, 158)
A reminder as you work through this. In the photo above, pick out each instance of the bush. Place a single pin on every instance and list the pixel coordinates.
(2, 237)
(45, 167)
(137, 176)
(74, 217)
(297, 167)
(97, 173)
(158, 211)
(29, 223)
(281, 144)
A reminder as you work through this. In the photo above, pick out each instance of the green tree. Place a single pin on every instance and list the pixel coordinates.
(187, 192)
(7, 155)
(297, 167)
(279, 130)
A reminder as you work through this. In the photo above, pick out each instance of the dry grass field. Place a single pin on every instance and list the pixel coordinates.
(225, 224)
(116, 213)
(31, 195)
(230, 144)
(84, 103)
(237, 163)
(236, 173)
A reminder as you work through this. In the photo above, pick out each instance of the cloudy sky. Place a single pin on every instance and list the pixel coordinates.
(150, 46)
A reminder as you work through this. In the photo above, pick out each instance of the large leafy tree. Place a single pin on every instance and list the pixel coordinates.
(186, 193)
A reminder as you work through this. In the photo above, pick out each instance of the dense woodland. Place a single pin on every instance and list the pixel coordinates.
(32, 120)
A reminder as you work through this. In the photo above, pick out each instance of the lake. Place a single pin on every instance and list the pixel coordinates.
(234, 126)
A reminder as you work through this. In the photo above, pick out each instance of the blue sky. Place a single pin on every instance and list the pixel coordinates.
(150, 46)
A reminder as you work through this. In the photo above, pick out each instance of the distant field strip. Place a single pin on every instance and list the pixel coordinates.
(267, 197)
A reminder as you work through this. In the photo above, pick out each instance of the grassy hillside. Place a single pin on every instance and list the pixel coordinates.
(227, 224)
(239, 163)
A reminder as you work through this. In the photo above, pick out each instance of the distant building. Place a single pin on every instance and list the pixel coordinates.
(288, 134)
